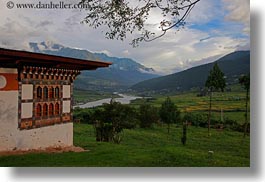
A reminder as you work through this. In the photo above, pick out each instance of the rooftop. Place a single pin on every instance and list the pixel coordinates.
(16, 58)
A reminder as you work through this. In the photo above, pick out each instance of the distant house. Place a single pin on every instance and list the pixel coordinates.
(36, 99)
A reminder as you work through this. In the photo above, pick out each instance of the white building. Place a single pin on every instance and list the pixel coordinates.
(36, 101)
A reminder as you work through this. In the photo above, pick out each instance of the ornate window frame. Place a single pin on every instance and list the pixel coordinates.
(47, 92)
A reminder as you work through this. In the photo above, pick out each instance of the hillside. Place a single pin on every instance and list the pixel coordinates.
(233, 65)
(123, 73)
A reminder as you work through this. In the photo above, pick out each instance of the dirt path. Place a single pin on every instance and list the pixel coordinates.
(46, 150)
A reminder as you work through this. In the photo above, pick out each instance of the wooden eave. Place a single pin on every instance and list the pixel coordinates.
(16, 58)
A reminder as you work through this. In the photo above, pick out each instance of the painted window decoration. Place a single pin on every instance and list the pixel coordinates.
(39, 92)
(48, 106)
(51, 92)
(45, 109)
(57, 92)
(51, 111)
(45, 92)
(57, 109)
(38, 110)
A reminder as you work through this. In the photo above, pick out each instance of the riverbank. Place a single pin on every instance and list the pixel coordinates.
(123, 99)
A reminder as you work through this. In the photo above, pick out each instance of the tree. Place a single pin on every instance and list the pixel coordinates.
(169, 113)
(184, 133)
(245, 81)
(124, 16)
(111, 119)
(214, 82)
(148, 115)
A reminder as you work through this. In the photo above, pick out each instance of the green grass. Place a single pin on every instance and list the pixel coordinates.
(149, 148)
(232, 103)
(83, 96)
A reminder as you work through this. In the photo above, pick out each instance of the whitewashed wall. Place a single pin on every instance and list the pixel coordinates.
(11, 137)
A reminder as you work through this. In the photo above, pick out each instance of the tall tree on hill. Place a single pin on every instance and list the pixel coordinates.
(122, 17)
(169, 113)
(214, 82)
(245, 81)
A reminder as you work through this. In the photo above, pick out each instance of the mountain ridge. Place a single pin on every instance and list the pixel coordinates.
(233, 65)
(123, 73)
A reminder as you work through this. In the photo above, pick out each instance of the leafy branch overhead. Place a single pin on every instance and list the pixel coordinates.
(122, 17)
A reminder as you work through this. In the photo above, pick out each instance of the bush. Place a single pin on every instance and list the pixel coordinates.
(148, 115)
(169, 113)
(111, 119)
(234, 125)
(84, 115)
(196, 119)
(201, 120)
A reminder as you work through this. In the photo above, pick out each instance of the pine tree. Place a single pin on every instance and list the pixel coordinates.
(169, 113)
(214, 82)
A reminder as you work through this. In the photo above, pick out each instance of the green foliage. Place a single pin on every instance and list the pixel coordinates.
(200, 120)
(169, 113)
(123, 17)
(148, 115)
(184, 133)
(215, 80)
(111, 119)
(84, 115)
(245, 81)
(196, 119)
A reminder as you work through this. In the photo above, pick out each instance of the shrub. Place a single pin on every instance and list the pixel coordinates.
(111, 119)
(84, 115)
(196, 119)
(234, 125)
(148, 115)
(169, 113)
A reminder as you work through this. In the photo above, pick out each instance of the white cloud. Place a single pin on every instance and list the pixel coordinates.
(175, 51)
(239, 11)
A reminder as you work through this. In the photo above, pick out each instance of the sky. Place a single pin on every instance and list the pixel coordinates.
(213, 28)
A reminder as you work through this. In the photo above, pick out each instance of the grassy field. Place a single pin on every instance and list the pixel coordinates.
(231, 103)
(83, 96)
(149, 148)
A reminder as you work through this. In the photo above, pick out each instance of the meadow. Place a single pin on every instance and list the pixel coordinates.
(147, 148)
(230, 104)
(153, 147)
(83, 96)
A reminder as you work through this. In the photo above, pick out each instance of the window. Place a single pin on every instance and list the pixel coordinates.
(50, 109)
(57, 92)
(51, 92)
(45, 92)
(39, 92)
(57, 109)
(45, 109)
(38, 110)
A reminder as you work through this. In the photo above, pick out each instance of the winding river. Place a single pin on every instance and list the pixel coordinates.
(124, 99)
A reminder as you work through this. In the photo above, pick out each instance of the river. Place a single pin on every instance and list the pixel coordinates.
(124, 99)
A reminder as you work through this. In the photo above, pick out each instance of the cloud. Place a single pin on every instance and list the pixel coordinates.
(175, 51)
(204, 11)
(239, 11)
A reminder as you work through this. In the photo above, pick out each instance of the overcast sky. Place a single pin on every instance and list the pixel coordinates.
(214, 28)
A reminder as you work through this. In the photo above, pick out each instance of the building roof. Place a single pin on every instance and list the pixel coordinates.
(16, 58)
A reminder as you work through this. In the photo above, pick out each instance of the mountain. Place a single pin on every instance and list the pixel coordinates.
(233, 65)
(123, 73)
